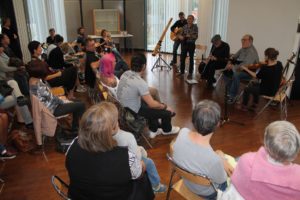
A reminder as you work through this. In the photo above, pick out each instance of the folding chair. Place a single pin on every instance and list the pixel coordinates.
(179, 186)
(2, 182)
(60, 187)
(280, 97)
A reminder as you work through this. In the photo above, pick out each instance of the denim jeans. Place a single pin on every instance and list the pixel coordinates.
(175, 48)
(151, 171)
(213, 196)
(233, 83)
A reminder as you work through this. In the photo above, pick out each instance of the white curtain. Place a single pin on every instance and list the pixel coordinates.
(46, 14)
(220, 18)
(158, 14)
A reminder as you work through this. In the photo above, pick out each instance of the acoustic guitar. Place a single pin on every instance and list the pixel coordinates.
(174, 34)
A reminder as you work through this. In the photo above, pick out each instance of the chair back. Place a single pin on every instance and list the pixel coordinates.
(198, 179)
(60, 187)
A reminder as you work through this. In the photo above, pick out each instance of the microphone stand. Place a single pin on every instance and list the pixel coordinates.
(225, 118)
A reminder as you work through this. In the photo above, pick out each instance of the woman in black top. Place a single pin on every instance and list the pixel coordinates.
(97, 168)
(269, 75)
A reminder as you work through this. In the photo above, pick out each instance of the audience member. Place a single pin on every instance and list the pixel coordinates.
(133, 92)
(269, 74)
(66, 78)
(97, 167)
(50, 38)
(106, 71)
(245, 56)
(127, 139)
(12, 60)
(108, 45)
(56, 56)
(193, 152)
(13, 36)
(270, 172)
(81, 37)
(91, 63)
(4, 153)
(57, 106)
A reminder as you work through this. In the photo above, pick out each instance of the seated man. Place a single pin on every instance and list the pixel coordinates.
(91, 63)
(192, 150)
(247, 55)
(127, 139)
(133, 92)
(217, 59)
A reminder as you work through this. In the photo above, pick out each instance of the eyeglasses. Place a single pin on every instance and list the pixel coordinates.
(244, 39)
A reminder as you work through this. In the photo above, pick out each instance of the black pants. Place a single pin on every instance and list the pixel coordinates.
(175, 48)
(187, 47)
(67, 79)
(210, 69)
(152, 115)
(254, 90)
(76, 108)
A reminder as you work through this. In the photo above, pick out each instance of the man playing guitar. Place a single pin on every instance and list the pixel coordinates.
(175, 30)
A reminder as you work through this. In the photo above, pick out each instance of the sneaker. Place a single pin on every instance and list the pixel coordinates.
(231, 100)
(7, 155)
(175, 130)
(80, 88)
(154, 134)
(161, 188)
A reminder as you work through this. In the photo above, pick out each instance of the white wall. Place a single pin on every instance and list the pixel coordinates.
(272, 23)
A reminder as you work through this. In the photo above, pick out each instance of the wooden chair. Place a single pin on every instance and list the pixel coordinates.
(280, 97)
(60, 187)
(180, 187)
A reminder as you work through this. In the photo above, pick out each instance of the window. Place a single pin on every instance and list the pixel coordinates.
(158, 15)
(46, 14)
(220, 18)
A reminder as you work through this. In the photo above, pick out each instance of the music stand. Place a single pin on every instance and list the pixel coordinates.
(160, 60)
(225, 118)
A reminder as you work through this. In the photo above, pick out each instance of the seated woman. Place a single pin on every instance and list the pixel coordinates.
(108, 45)
(66, 78)
(106, 74)
(192, 150)
(270, 76)
(97, 167)
(270, 172)
(57, 106)
(127, 139)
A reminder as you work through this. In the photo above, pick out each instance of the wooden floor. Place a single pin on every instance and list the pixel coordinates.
(28, 176)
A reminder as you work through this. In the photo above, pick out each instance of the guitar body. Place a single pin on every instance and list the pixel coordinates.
(175, 33)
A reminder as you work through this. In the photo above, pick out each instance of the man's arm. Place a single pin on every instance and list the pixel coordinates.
(174, 26)
(152, 103)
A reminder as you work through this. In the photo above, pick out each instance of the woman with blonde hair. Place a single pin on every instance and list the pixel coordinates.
(97, 167)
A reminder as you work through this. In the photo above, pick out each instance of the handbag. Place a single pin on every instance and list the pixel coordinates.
(5, 89)
(131, 122)
(142, 189)
(23, 141)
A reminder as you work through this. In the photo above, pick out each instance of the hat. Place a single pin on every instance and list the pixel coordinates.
(216, 38)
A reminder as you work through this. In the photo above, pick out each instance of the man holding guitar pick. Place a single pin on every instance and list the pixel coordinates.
(176, 30)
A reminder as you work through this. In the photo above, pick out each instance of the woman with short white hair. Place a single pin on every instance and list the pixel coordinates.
(270, 172)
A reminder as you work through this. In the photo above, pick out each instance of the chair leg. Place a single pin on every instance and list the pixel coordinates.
(263, 109)
(219, 78)
(170, 184)
(147, 141)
